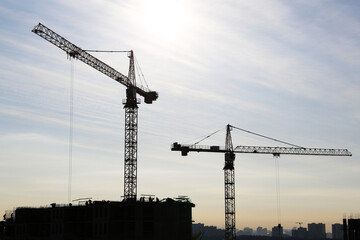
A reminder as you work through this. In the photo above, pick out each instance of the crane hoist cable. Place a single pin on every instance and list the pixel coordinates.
(71, 123)
(71, 118)
(277, 176)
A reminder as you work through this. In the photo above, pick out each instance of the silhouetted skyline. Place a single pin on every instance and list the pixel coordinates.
(284, 69)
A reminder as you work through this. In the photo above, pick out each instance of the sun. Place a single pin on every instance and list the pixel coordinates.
(165, 19)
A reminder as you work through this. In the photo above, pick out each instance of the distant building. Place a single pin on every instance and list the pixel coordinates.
(200, 231)
(261, 231)
(337, 231)
(245, 232)
(316, 231)
(2, 229)
(213, 232)
(300, 233)
(135, 220)
(277, 231)
(286, 233)
(197, 228)
(248, 231)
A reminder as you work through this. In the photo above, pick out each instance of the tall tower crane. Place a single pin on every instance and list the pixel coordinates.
(130, 105)
(299, 223)
(229, 176)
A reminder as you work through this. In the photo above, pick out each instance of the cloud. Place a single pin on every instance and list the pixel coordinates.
(48, 119)
(282, 55)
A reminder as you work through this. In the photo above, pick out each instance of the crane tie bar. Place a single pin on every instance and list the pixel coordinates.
(276, 140)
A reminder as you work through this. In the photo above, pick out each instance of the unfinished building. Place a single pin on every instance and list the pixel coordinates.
(147, 219)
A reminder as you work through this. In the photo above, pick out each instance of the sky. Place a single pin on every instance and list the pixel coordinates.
(285, 69)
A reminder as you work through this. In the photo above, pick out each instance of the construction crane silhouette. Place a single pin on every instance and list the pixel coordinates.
(130, 104)
(229, 172)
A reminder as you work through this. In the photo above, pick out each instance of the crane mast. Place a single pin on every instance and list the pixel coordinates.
(229, 170)
(131, 126)
(130, 103)
(229, 180)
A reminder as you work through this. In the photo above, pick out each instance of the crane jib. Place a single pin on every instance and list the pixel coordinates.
(76, 52)
(185, 148)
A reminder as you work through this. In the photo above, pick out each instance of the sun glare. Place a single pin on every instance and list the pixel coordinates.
(164, 19)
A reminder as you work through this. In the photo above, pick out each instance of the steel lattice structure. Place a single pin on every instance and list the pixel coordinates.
(130, 105)
(130, 154)
(229, 170)
(262, 150)
(229, 181)
(230, 226)
(131, 126)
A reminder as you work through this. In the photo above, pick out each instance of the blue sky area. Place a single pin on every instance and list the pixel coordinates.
(285, 69)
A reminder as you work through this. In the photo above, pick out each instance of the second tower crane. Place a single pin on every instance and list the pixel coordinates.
(229, 170)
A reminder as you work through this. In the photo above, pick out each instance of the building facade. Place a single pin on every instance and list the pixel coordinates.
(300, 233)
(316, 231)
(337, 231)
(105, 220)
(277, 231)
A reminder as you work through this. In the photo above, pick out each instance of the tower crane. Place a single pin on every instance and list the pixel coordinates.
(299, 223)
(130, 104)
(229, 176)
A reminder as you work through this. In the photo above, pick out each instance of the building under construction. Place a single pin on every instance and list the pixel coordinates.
(351, 228)
(148, 218)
